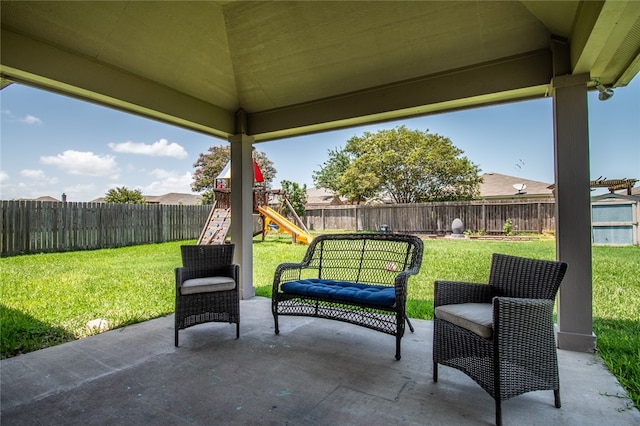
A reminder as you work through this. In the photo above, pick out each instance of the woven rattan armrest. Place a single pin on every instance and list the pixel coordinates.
(453, 292)
(286, 272)
(522, 316)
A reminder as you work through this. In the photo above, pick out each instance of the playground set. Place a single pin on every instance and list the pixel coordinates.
(265, 218)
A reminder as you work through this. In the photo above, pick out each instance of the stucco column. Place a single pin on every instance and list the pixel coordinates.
(242, 210)
(573, 211)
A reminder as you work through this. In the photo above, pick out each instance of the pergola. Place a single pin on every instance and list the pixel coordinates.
(612, 185)
(251, 72)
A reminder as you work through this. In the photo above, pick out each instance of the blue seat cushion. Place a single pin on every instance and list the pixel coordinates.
(343, 291)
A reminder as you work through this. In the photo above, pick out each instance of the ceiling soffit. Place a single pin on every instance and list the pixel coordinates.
(285, 55)
(606, 41)
(180, 45)
(298, 67)
(522, 77)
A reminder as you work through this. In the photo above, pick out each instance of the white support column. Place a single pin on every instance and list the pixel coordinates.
(573, 211)
(242, 210)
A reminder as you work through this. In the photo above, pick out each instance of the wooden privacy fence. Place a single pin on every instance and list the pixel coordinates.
(37, 226)
(435, 218)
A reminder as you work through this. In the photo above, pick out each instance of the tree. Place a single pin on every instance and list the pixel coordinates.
(123, 195)
(297, 197)
(410, 165)
(328, 177)
(336, 176)
(210, 164)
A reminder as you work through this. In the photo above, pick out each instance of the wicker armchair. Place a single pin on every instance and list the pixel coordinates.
(501, 335)
(207, 287)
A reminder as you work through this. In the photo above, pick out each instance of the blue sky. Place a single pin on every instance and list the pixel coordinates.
(51, 144)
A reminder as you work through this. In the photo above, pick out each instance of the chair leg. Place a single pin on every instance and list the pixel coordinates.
(398, 338)
(176, 337)
(275, 322)
(238, 329)
(435, 371)
(556, 394)
(409, 323)
(497, 385)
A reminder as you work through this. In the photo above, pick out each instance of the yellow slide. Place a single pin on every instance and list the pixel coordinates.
(275, 217)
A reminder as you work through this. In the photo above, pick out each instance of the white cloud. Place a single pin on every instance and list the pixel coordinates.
(168, 181)
(30, 119)
(27, 119)
(161, 148)
(36, 185)
(83, 163)
(32, 174)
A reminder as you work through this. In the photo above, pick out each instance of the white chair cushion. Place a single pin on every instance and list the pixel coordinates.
(475, 317)
(207, 285)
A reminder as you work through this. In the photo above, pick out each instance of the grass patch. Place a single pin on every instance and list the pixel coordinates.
(47, 299)
(616, 313)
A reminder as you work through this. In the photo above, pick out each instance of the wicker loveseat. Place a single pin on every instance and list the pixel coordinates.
(356, 278)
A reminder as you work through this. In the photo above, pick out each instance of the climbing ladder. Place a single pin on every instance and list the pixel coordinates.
(217, 227)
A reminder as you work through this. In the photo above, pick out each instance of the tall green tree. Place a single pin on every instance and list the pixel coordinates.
(336, 176)
(297, 197)
(411, 166)
(123, 195)
(209, 165)
(328, 177)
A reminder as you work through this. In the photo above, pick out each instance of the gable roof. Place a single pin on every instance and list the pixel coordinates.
(46, 198)
(499, 186)
(322, 197)
(174, 198)
(612, 197)
(494, 186)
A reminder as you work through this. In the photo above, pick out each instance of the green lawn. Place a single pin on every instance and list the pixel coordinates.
(48, 298)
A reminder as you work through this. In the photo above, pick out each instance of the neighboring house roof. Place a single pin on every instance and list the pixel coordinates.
(171, 198)
(494, 186)
(320, 196)
(174, 198)
(498, 186)
(43, 198)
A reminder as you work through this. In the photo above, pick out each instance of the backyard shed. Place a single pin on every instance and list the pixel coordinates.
(615, 219)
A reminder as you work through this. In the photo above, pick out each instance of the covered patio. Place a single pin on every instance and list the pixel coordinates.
(315, 372)
(251, 72)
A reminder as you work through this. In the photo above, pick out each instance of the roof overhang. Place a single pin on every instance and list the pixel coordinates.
(279, 69)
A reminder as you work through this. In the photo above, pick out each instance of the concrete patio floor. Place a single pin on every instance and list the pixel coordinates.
(316, 372)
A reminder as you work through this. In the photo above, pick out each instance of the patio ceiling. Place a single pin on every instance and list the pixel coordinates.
(275, 69)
